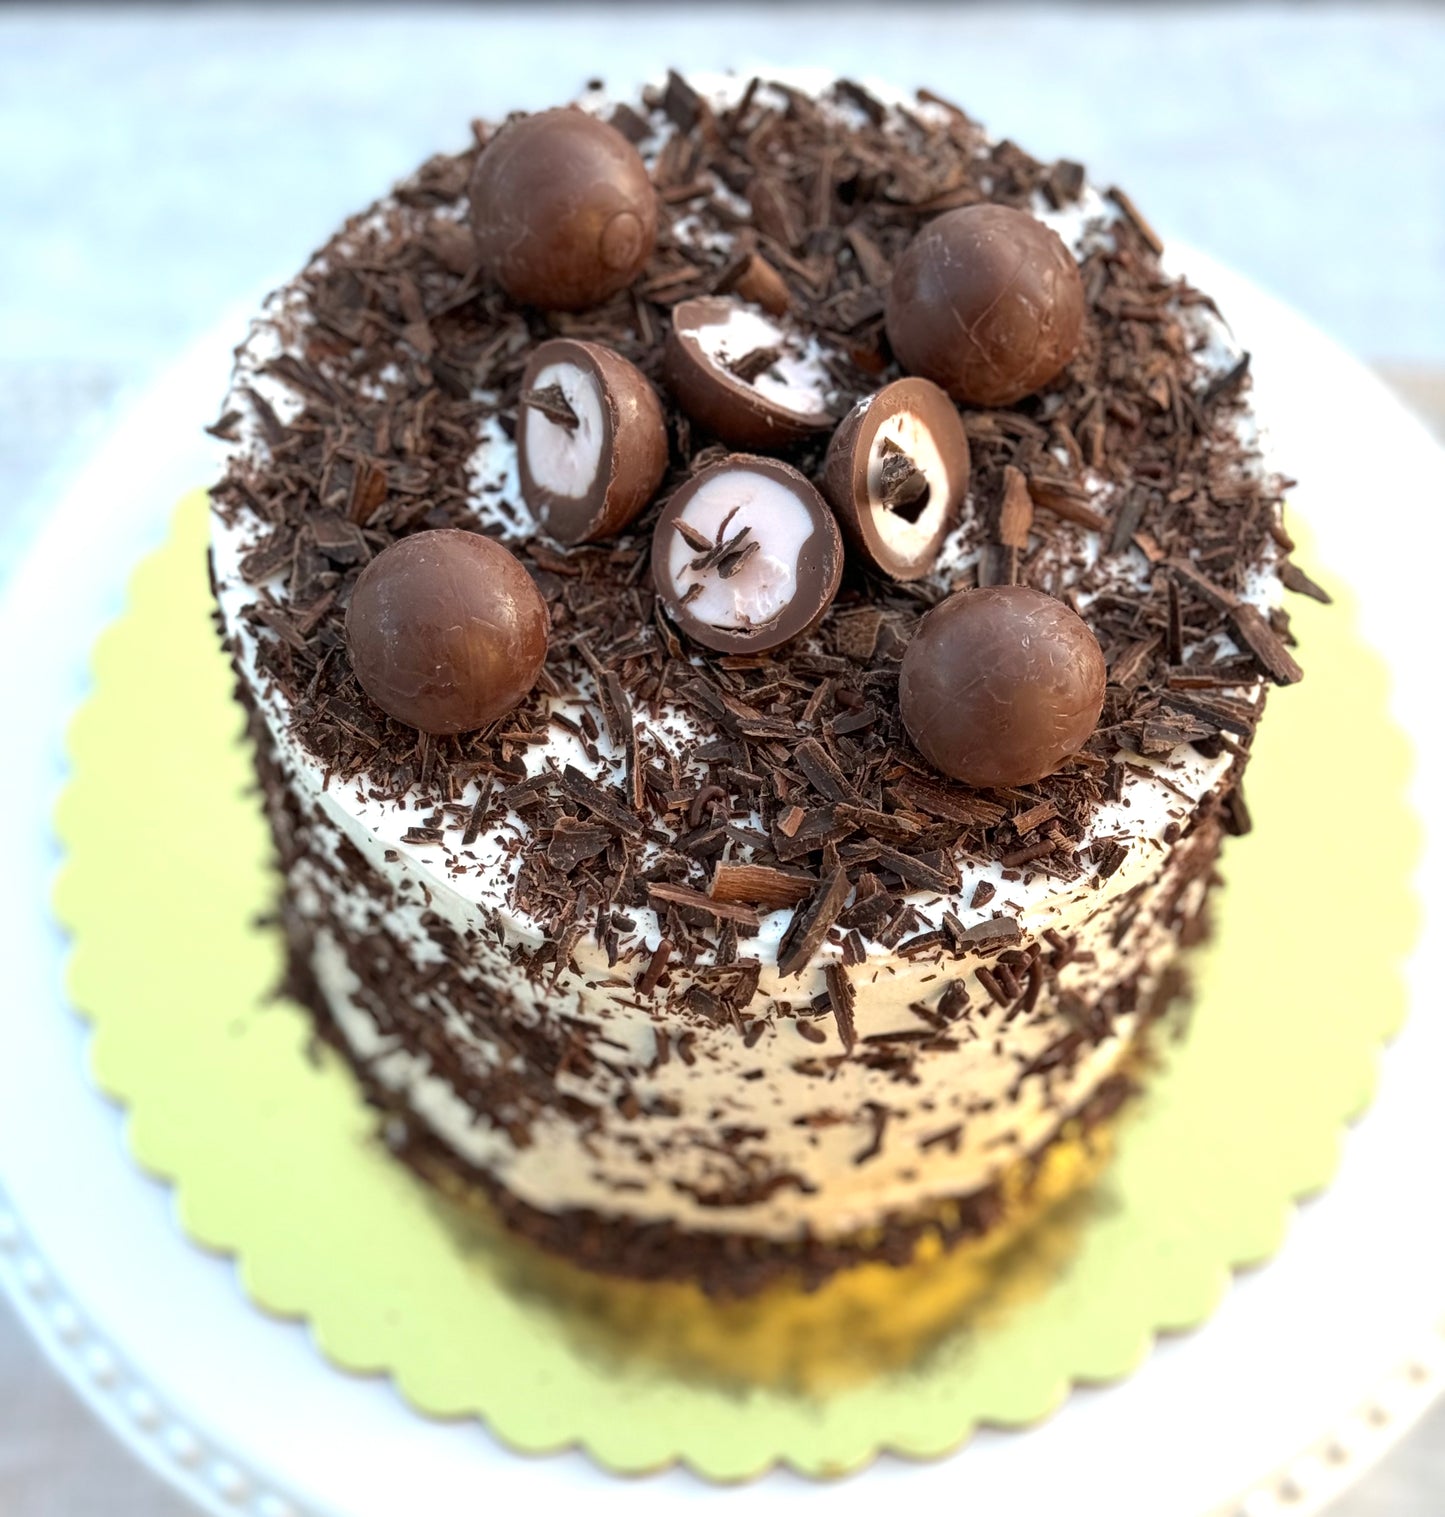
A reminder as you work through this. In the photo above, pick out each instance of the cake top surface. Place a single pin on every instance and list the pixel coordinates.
(649, 790)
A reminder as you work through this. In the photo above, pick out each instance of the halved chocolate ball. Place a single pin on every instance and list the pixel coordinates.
(446, 630)
(987, 302)
(746, 555)
(591, 440)
(563, 210)
(896, 474)
(1000, 686)
(745, 377)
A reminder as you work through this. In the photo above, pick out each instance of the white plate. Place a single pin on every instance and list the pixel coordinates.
(242, 1411)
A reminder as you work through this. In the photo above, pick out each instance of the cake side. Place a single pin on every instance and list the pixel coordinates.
(709, 1104)
(925, 980)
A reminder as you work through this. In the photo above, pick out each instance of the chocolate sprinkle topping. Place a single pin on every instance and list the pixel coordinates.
(397, 356)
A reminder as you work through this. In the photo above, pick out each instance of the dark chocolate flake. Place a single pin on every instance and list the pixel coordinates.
(552, 402)
(1227, 383)
(950, 802)
(1292, 577)
(574, 842)
(606, 807)
(695, 900)
(761, 885)
(986, 937)
(1151, 238)
(1251, 628)
(473, 828)
(1064, 183)
(841, 997)
(811, 923)
(823, 773)
(921, 873)
(681, 103)
(753, 365)
(878, 1116)
(902, 485)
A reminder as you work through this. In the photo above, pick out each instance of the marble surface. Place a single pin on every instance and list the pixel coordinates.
(159, 165)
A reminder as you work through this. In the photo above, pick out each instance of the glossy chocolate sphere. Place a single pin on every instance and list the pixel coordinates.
(446, 631)
(987, 302)
(563, 210)
(1000, 686)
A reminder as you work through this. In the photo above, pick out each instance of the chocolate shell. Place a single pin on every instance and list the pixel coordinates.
(746, 555)
(446, 630)
(563, 210)
(896, 474)
(744, 376)
(591, 440)
(987, 302)
(1000, 686)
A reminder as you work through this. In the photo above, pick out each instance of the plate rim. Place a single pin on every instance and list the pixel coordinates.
(162, 416)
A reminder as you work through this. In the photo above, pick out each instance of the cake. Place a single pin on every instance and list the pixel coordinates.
(733, 909)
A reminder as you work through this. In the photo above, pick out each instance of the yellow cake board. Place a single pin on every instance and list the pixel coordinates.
(275, 1159)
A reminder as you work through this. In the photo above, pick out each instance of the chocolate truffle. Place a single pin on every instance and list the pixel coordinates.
(746, 555)
(987, 302)
(743, 376)
(1000, 686)
(896, 475)
(563, 210)
(446, 631)
(591, 440)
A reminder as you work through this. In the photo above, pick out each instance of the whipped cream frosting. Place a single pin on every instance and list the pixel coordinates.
(972, 1106)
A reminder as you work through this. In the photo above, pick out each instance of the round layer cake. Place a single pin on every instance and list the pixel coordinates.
(692, 962)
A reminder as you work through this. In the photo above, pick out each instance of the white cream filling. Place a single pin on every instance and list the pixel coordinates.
(907, 432)
(796, 380)
(565, 459)
(764, 586)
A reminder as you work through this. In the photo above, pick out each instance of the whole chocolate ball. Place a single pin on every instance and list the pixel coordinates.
(987, 302)
(1000, 686)
(446, 631)
(563, 210)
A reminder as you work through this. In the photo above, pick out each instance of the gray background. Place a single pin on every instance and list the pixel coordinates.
(160, 165)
